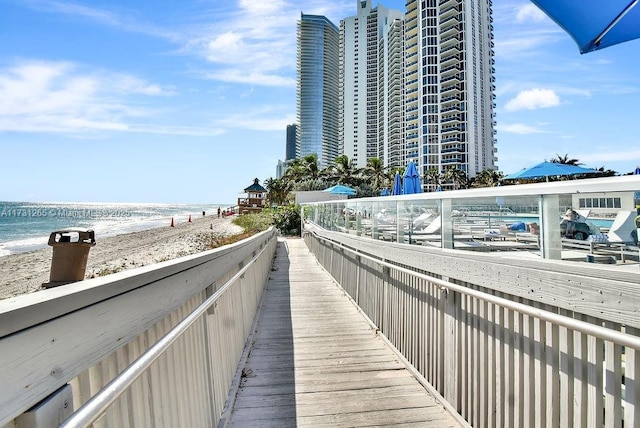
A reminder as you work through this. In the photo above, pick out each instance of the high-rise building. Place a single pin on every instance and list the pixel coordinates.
(317, 93)
(449, 84)
(371, 77)
(291, 142)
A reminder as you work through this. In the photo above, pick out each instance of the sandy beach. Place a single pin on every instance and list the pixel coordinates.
(26, 272)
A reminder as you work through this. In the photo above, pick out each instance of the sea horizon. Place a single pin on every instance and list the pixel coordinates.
(26, 226)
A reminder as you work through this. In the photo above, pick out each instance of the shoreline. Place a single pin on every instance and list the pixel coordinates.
(23, 273)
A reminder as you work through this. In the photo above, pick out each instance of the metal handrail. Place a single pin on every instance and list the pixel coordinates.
(561, 320)
(98, 404)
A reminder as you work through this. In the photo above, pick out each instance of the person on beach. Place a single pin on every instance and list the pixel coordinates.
(218, 212)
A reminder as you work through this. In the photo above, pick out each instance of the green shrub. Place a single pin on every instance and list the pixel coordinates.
(254, 223)
(286, 219)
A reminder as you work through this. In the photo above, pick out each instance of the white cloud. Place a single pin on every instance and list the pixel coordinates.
(519, 128)
(61, 97)
(101, 16)
(611, 155)
(266, 119)
(257, 44)
(236, 75)
(526, 42)
(533, 99)
(529, 12)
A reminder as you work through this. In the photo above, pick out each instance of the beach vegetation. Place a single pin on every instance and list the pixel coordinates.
(286, 219)
(254, 223)
(211, 240)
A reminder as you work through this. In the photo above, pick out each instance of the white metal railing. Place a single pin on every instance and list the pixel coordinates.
(180, 327)
(503, 343)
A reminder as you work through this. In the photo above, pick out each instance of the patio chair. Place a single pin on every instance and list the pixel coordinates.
(623, 227)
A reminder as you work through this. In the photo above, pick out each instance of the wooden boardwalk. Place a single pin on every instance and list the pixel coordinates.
(316, 362)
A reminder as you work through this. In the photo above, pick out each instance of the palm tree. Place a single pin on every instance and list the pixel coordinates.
(487, 178)
(606, 172)
(343, 171)
(375, 174)
(305, 168)
(278, 190)
(433, 176)
(458, 177)
(565, 160)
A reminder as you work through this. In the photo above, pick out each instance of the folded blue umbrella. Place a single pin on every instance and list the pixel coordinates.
(397, 185)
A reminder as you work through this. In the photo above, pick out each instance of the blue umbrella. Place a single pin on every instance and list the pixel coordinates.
(549, 169)
(397, 185)
(412, 182)
(339, 189)
(595, 24)
(385, 192)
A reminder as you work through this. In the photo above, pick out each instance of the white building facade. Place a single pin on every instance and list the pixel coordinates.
(371, 85)
(449, 100)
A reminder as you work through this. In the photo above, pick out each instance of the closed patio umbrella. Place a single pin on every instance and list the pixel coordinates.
(411, 180)
(397, 185)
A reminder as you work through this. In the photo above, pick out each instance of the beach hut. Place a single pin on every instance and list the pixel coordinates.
(254, 200)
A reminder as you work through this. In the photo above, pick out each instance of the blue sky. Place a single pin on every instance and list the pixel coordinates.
(164, 101)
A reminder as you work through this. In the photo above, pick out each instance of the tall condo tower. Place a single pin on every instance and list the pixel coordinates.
(317, 94)
(371, 85)
(449, 98)
(291, 142)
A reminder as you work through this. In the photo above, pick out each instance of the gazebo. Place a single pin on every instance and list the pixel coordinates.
(254, 200)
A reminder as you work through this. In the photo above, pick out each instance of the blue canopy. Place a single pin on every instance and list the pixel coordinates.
(595, 24)
(397, 185)
(549, 169)
(339, 189)
(411, 180)
(385, 192)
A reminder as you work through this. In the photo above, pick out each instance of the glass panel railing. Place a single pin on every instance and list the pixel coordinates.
(575, 220)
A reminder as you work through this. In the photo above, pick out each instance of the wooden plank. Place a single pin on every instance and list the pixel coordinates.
(316, 362)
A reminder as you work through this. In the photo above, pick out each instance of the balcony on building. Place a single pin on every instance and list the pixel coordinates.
(445, 42)
(451, 30)
(449, 11)
(446, 23)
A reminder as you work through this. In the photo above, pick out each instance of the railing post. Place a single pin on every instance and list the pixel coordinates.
(451, 344)
(357, 294)
(446, 228)
(51, 411)
(550, 240)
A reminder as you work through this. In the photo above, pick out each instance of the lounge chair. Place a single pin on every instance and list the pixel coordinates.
(433, 227)
(622, 228)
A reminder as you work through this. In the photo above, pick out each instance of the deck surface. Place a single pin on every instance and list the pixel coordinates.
(316, 362)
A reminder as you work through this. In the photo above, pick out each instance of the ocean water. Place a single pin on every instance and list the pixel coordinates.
(26, 226)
